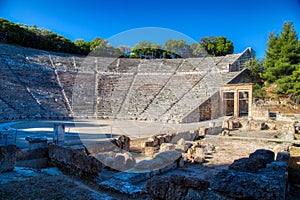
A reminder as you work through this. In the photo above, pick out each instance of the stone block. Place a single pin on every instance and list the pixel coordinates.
(74, 160)
(160, 160)
(166, 147)
(257, 160)
(150, 151)
(102, 147)
(37, 142)
(243, 185)
(123, 161)
(181, 142)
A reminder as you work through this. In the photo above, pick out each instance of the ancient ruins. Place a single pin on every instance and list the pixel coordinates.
(117, 128)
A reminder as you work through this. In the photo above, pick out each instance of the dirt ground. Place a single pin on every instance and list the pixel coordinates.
(25, 183)
(228, 150)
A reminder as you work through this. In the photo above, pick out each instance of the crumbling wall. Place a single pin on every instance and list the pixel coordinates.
(34, 158)
(73, 160)
(259, 113)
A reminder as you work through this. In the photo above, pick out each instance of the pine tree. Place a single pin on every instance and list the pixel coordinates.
(282, 62)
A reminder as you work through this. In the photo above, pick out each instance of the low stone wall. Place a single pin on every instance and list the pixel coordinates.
(74, 161)
(267, 181)
(260, 113)
(7, 158)
(34, 158)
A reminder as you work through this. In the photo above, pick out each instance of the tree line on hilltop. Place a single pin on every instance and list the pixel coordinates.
(39, 38)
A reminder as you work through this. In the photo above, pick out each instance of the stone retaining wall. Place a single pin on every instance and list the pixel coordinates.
(74, 161)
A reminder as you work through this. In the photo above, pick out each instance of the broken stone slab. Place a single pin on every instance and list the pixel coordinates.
(123, 161)
(188, 136)
(161, 160)
(102, 147)
(166, 147)
(36, 139)
(257, 160)
(243, 185)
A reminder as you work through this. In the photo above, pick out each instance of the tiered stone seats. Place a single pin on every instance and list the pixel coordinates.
(16, 97)
(186, 66)
(148, 66)
(205, 63)
(170, 65)
(128, 65)
(43, 85)
(67, 80)
(84, 96)
(6, 111)
(224, 64)
(142, 92)
(206, 87)
(175, 88)
(112, 92)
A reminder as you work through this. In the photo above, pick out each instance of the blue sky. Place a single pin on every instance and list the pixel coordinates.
(245, 22)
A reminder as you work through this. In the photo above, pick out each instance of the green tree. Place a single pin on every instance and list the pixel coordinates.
(146, 50)
(282, 55)
(100, 47)
(217, 46)
(296, 85)
(256, 69)
(179, 47)
(282, 62)
(83, 46)
(144, 45)
(197, 50)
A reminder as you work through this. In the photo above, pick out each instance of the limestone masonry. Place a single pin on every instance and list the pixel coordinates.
(37, 84)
